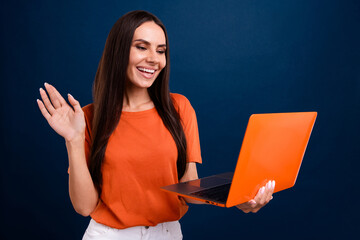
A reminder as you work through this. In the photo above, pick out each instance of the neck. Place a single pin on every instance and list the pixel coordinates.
(137, 99)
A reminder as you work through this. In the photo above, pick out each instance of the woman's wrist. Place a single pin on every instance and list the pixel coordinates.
(77, 140)
(76, 144)
(76, 149)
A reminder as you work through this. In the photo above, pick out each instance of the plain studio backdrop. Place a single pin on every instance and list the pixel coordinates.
(230, 59)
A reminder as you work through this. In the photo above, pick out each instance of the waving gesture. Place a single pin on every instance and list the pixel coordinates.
(66, 121)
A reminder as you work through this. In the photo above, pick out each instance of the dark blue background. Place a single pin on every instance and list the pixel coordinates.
(231, 59)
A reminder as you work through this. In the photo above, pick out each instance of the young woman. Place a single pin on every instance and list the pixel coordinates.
(133, 139)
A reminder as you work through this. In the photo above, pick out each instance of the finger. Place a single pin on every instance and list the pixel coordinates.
(243, 208)
(269, 191)
(60, 98)
(74, 103)
(43, 110)
(53, 95)
(246, 208)
(251, 204)
(46, 101)
(259, 195)
(263, 197)
(272, 190)
(247, 205)
(274, 185)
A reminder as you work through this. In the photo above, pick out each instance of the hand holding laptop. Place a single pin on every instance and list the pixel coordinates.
(263, 197)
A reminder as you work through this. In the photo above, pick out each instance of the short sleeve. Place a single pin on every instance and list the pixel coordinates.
(88, 114)
(190, 126)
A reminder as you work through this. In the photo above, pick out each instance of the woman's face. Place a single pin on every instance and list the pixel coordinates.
(147, 55)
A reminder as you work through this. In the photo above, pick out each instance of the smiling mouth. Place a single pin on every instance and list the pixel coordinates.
(146, 72)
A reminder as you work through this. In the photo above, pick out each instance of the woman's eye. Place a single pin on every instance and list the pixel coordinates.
(140, 47)
(161, 51)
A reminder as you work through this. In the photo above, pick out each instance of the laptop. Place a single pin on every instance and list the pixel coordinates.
(273, 149)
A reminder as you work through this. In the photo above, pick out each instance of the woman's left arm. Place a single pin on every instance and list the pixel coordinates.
(262, 198)
(190, 174)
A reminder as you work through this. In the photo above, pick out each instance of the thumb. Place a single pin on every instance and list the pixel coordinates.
(252, 202)
(74, 103)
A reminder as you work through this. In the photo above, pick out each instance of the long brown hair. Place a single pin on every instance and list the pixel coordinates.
(109, 87)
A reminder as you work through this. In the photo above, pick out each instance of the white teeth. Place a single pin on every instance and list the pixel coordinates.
(146, 70)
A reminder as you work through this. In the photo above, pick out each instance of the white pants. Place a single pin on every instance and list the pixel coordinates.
(162, 231)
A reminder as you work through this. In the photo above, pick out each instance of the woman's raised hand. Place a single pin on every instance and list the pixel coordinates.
(66, 121)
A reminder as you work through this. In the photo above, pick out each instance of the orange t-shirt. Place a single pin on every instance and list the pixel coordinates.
(140, 158)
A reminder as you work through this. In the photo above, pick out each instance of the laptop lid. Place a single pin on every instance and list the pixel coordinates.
(273, 148)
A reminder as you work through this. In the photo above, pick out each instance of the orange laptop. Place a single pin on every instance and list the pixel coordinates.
(273, 148)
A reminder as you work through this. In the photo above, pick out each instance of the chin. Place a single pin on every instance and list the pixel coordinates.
(141, 82)
(144, 84)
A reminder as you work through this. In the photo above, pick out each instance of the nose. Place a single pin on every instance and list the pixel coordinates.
(152, 57)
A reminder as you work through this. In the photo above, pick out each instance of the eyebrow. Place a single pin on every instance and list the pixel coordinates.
(148, 43)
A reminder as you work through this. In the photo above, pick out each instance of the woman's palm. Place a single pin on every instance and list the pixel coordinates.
(67, 122)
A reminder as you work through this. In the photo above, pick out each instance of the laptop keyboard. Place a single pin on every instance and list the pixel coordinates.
(216, 194)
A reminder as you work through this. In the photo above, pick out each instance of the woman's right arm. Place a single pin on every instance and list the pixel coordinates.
(83, 194)
(70, 123)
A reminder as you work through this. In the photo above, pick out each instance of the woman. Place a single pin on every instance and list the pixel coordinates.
(137, 136)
